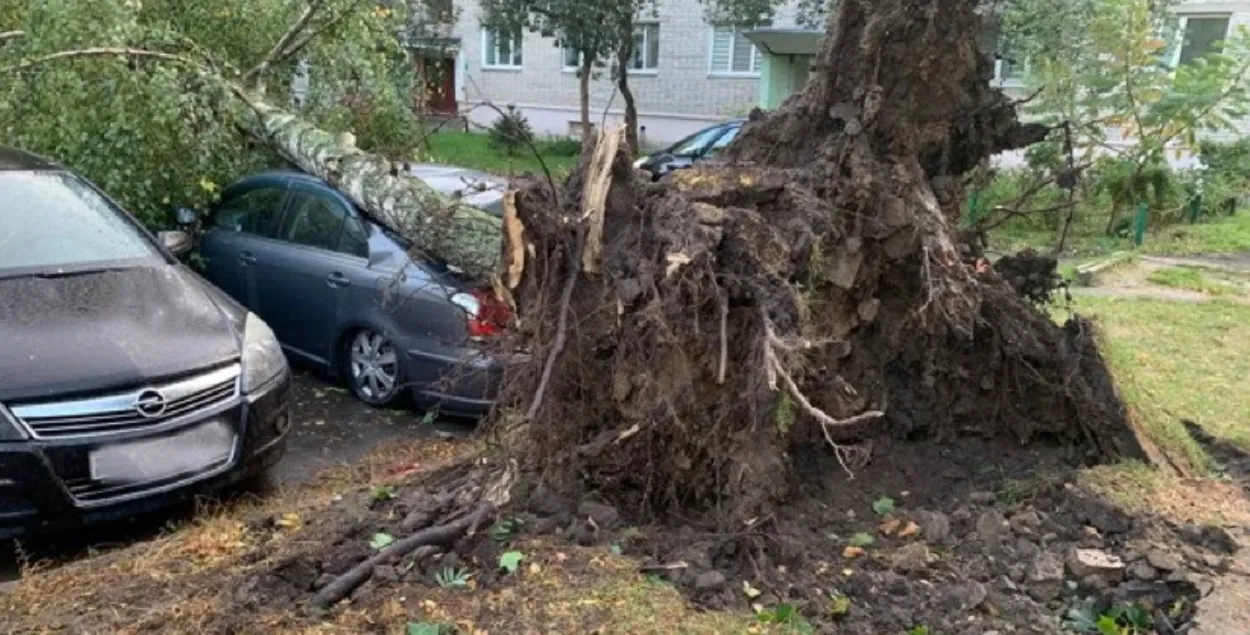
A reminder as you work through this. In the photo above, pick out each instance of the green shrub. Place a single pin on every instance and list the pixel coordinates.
(511, 132)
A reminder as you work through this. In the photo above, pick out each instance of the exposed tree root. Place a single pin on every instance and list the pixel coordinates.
(811, 294)
(439, 535)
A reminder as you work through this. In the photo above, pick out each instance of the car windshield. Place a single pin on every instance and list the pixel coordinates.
(52, 220)
(696, 143)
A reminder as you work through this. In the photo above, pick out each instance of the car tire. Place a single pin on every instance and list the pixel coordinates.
(372, 369)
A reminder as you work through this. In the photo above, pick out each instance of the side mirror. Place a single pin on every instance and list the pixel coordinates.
(185, 215)
(377, 257)
(177, 242)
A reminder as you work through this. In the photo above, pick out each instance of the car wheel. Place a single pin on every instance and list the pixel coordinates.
(372, 369)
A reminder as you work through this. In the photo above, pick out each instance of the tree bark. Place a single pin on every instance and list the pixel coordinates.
(441, 227)
(624, 57)
(583, 87)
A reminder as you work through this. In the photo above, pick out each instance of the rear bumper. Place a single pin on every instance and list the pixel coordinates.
(457, 381)
(36, 476)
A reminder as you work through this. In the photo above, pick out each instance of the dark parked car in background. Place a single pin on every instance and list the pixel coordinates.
(704, 144)
(343, 293)
(126, 381)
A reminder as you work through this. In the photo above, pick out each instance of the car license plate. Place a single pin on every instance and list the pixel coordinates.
(185, 452)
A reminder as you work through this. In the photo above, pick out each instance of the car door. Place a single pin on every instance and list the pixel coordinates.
(239, 229)
(304, 282)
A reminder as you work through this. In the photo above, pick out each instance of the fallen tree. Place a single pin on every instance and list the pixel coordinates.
(698, 340)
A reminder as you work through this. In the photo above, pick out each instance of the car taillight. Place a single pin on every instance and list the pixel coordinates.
(485, 314)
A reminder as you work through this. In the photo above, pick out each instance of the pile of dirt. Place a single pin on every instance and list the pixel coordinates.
(963, 545)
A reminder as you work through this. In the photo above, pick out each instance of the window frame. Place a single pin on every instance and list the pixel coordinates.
(283, 187)
(565, 52)
(757, 59)
(337, 204)
(646, 27)
(517, 57)
(1177, 45)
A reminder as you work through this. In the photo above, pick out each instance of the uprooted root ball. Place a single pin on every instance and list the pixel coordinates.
(803, 298)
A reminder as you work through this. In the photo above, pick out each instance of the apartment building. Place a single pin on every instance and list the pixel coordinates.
(688, 71)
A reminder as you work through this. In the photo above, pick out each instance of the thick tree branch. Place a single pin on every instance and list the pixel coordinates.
(9, 35)
(98, 52)
(276, 53)
(294, 47)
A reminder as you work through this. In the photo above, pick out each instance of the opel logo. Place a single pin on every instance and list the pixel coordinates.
(150, 404)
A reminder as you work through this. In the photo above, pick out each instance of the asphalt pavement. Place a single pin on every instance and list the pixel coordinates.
(330, 427)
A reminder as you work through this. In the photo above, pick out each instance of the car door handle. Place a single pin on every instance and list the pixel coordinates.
(337, 279)
(246, 258)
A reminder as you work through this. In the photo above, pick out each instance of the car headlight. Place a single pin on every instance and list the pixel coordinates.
(10, 430)
(262, 355)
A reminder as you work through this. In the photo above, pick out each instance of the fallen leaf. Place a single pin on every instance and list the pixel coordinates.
(852, 551)
(750, 591)
(890, 526)
(910, 530)
(288, 520)
(847, 572)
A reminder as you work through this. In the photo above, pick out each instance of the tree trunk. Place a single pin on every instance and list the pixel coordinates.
(624, 57)
(802, 300)
(583, 86)
(446, 229)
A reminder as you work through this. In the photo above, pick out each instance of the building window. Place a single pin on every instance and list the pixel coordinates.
(733, 53)
(646, 47)
(646, 57)
(572, 59)
(1198, 36)
(501, 49)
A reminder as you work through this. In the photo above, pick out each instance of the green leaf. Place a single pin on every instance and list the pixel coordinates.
(510, 561)
(861, 539)
(381, 540)
(427, 628)
(382, 493)
(784, 613)
(840, 605)
(883, 505)
(1107, 626)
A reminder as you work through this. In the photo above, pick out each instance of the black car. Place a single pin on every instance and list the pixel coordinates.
(702, 145)
(127, 382)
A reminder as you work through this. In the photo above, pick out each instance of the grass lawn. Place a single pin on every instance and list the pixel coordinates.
(1179, 360)
(1189, 279)
(1223, 235)
(473, 150)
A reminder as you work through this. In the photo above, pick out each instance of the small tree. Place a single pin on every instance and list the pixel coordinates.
(1103, 68)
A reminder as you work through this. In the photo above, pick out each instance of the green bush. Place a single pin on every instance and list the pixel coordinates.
(561, 146)
(511, 132)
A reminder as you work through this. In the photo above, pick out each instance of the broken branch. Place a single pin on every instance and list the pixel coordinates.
(276, 53)
(96, 52)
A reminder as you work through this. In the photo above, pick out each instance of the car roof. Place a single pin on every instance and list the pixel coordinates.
(14, 159)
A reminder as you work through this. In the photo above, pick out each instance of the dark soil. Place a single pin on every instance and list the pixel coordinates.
(998, 529)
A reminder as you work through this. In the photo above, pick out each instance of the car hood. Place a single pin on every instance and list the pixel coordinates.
(87, 332)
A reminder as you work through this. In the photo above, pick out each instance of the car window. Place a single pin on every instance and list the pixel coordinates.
(52, 219)
(723, 141)
(695, 143)
(355, 238)
(314, 221)
(252, 212)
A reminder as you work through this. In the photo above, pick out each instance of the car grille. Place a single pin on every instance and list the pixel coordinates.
(86, 490)
(132, 410)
